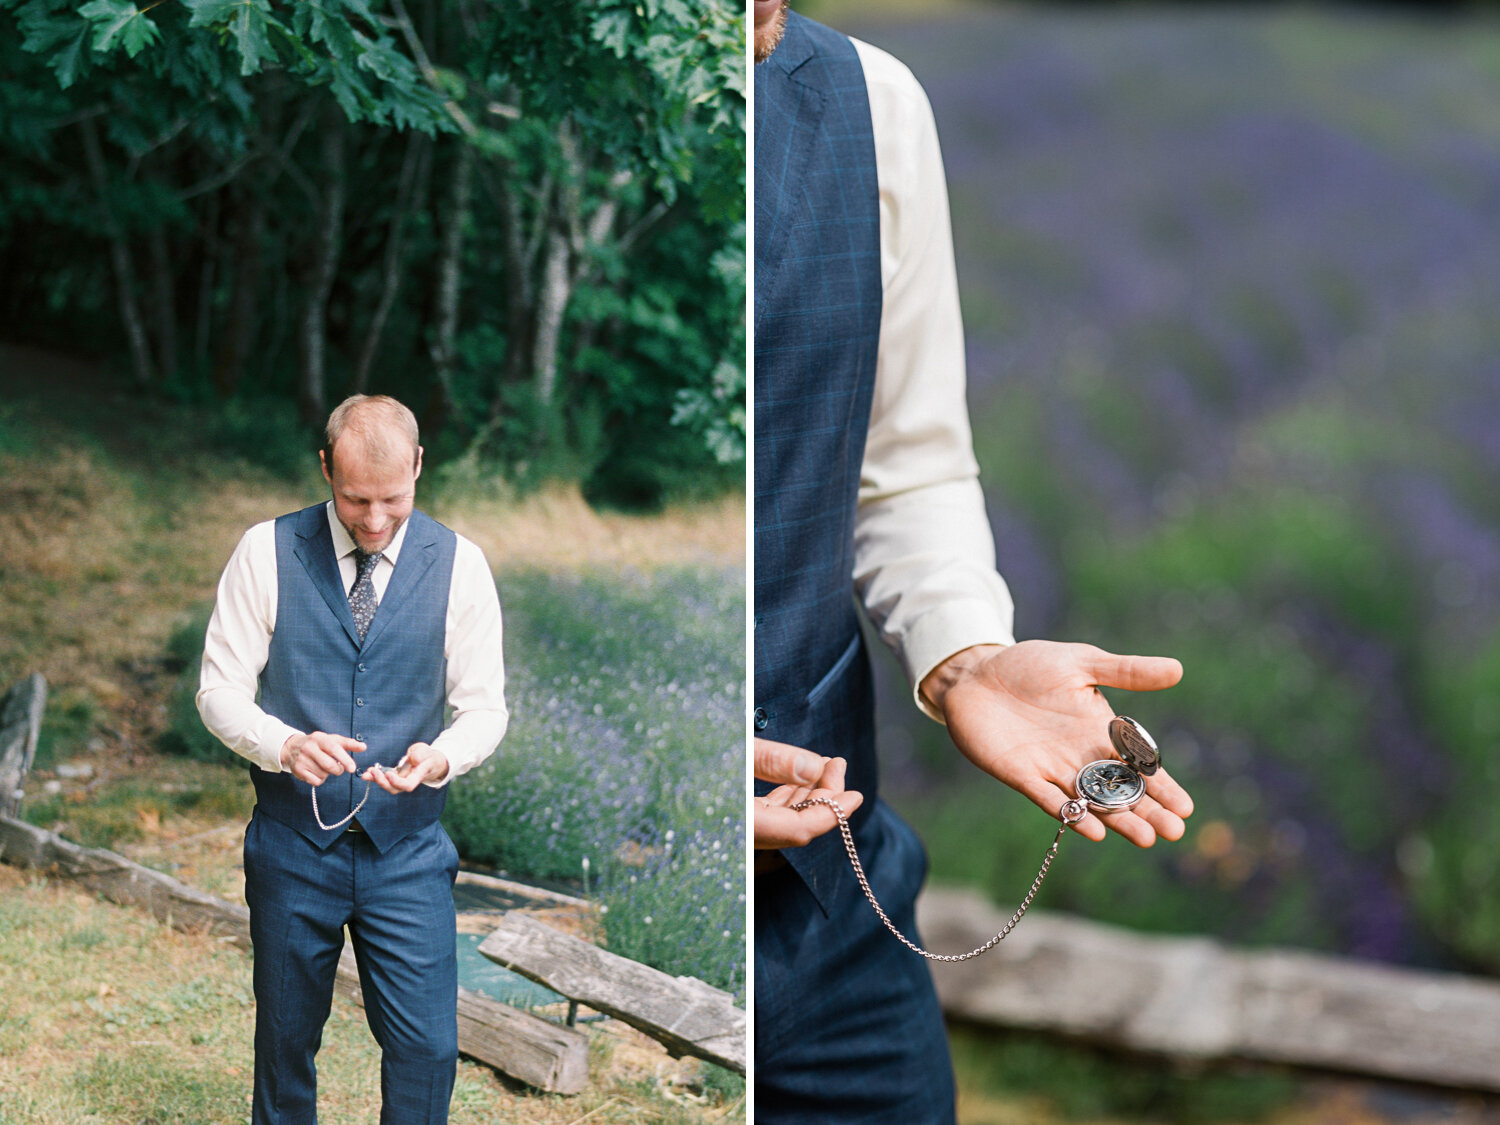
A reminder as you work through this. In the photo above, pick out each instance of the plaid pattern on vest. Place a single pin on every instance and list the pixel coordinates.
(388, 691)
(817, 325)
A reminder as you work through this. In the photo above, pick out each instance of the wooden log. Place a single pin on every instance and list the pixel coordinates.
(1195, 998)
(545, 1055)
(507, 886)
(686, 1015)
(122, 881)
(21, 710)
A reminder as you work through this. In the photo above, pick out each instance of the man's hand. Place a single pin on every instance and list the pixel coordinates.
(800, 774)
(1032, 715)
(421, 763)
(316, 756)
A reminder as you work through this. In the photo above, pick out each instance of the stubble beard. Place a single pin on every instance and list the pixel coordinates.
(766, 38)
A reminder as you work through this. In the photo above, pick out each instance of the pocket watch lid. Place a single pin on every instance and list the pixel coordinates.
(1134, 745)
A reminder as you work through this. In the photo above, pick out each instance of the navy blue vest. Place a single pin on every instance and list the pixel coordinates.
(388, 692)
(817, 326)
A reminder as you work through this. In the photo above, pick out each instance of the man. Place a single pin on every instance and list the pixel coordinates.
(339, 634)
(866, 485)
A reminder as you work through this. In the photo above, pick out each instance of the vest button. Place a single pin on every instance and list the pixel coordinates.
(358, 737)
(359, 703)
(359, 667)
(762, 720)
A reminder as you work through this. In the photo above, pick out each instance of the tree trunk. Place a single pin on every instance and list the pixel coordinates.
(119, 254)
(239, 333)
(552, 303)
(164, 297)
(409, 199)
(450, 278)
(313, 337)
(213, 247)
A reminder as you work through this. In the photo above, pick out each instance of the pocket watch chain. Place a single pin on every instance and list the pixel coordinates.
(1071, 813)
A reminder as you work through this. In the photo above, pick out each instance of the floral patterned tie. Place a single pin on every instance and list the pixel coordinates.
(362, 601)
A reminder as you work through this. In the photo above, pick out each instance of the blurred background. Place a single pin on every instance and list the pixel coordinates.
(1229, 280)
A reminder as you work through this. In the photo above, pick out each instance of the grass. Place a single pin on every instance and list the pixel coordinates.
(111, 1016)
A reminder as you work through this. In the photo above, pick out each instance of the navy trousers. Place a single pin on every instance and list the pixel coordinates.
(847, 1023)
(399, 911)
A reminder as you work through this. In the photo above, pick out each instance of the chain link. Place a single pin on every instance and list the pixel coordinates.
(1070, 813)
(339, 823)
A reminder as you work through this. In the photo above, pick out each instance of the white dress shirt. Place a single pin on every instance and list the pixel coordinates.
(924, 551)
(239, 641)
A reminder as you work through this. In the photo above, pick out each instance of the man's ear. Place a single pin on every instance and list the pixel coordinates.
(323, 461)
(418, 470)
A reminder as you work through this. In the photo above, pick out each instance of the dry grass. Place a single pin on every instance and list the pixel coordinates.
(110, 1016)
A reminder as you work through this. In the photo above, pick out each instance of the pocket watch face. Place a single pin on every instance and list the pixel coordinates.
(1108, 785)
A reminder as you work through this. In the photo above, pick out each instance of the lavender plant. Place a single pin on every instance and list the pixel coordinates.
(626, 751)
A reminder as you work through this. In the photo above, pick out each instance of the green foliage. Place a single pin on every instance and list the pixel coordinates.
(185, 734)
(68, 724)
(230, 195)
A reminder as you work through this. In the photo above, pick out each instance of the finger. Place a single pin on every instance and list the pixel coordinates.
(331, 749)
(1133, 673)
(353, 745)
(833, 774)
(783, 763)
(1163, 788)
(787, 828)
(321, 762)
(783, 827)
(1166, 824)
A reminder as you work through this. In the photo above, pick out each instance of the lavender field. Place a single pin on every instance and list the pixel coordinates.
(623, 769)
(1230, 285)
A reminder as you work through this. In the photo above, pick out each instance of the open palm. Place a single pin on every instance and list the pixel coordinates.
(1031, 715)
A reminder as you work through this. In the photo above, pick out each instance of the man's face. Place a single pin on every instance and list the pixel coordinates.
(770, 22)
(371, 498)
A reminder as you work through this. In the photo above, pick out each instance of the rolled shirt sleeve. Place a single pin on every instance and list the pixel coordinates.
(924, 552)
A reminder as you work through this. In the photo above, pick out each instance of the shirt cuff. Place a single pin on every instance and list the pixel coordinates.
(470, 740)
(270, 736)
(947, 629)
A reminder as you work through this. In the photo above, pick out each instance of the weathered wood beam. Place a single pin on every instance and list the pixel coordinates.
(21, 710)
(1195, 998)
(122, 881)
(537, 1052)
(686, 1015)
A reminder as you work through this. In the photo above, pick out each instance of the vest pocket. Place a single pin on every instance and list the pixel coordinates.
(831, 677)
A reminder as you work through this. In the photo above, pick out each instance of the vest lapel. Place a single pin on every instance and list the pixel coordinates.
(788, 112)
(418, 553)
(315, 552)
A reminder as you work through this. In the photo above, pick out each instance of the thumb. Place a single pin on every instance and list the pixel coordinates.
(1133, 673)
(784, 764)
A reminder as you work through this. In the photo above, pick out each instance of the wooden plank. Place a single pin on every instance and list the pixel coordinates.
(21, 710)
(686, 1015)
(545, 1055)
(1195, 998)
(540, 894)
